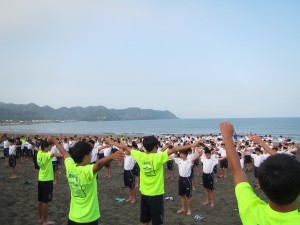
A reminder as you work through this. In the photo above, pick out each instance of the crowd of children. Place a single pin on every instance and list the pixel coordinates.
(144, 161)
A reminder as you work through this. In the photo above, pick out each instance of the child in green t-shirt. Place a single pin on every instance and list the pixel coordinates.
(81, 175)
(45, 181)
(151, 177)
(279, 178)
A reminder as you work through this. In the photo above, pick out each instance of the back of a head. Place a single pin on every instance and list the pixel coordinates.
(150, 142)
(279, 178)
(44, 144)
(80, 149)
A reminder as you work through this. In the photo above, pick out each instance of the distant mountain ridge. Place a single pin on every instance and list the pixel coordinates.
(9, 111)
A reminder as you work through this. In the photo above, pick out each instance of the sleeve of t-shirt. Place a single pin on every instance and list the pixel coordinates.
(177, 160)
(246, 197)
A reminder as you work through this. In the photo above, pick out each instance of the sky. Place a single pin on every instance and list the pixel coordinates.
(195, 58)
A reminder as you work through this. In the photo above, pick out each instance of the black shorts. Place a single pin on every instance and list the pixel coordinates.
(34, 158)
(12, 161)
(185, 186)
(208, 181)
(5, 152)
(170, 165)
(136, 170)
(152, 208)
(255, 171)
(70, 222)
(247, 159)
(45, 190)
(197, 162)
(55, 165)
(129, 178)
(215, 169)
(224, 164)
(100, 155)
(192, 171)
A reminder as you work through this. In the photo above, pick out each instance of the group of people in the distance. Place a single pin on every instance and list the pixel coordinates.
(275, 167)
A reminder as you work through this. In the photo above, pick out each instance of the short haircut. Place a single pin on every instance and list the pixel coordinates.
(186, 152)
(207, 150)
(279, 178)
(134, 145)
(80, 149)
(44, 144)
(150, 142)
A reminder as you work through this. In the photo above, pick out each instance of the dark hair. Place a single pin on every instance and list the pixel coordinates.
(80, 149)
(44, 144)
(134, 145)
(279, 178)
(207, 150)
(186, 152)
(150, 142)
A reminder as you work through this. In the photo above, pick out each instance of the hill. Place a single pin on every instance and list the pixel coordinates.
(27, 112)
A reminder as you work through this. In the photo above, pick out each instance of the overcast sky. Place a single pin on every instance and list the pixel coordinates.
(197, 59)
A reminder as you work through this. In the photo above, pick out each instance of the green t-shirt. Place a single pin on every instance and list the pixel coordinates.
(255, 211)
(84, 206)
(44, 161)
(151, 171)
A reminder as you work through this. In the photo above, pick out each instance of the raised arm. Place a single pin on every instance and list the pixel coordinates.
(3, 137)
(232, 156)
(259, 141)
(118, 155)
(60, 148)
(121, 146)
(181, 148)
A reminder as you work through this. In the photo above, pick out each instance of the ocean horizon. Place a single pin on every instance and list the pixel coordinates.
(288, 127)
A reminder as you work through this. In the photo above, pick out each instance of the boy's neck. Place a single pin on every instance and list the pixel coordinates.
(283, 208)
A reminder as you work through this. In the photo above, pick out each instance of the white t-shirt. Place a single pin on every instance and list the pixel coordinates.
(66, 146)
(184, 167)
(12, 150)
(55, 151)
(208, 164)
(258, 159)
(129, 162)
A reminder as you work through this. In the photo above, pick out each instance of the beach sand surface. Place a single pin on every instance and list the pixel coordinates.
(18, 199)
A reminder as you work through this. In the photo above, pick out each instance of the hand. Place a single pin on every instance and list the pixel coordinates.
(255, 138)
(226, 129)
(50, 140)
(118, 155)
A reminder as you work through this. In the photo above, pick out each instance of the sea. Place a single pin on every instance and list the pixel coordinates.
(285, 127)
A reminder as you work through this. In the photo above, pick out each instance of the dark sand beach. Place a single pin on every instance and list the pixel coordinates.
(18, 199)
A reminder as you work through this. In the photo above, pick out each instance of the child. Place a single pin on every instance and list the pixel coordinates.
(45, 181)
(151, 177)
(185, 181)
(258, 158)
(209, 163)
(279, 178)
(223, 161)
(81, 175)
(12, 158)
(129, 176)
